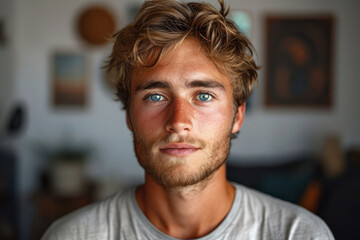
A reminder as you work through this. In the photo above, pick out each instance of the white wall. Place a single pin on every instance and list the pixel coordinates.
(43, 27)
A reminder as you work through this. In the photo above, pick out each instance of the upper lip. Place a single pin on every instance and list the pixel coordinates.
(179, 146)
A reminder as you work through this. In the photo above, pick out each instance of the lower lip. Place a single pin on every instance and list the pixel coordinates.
(180, 152)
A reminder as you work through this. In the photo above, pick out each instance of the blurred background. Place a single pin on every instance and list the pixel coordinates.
(64, 141)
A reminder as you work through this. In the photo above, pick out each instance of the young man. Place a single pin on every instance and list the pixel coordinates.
(184, 73)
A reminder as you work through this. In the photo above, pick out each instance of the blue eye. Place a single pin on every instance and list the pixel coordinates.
(205, 97)
(156, 98)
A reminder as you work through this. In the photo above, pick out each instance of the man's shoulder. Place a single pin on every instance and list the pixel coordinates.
(90, 221)
(281, 217)
(269, 205)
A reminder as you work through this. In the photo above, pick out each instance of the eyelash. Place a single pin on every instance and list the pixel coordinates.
(205, 93)
(148, 96)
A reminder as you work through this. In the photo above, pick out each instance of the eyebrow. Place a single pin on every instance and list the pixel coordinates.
(152, 85)
(192, 84)
(205, 84)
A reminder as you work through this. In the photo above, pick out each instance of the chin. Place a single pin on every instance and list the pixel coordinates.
(181, 175)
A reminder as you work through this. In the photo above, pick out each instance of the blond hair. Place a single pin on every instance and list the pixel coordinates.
(160, 25)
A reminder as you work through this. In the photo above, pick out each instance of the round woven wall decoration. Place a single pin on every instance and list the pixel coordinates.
(96, 25)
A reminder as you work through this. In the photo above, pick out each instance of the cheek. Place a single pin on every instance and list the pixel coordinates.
(215, 120)
(147, 119)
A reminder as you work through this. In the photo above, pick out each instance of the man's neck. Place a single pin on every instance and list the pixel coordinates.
(187, 212)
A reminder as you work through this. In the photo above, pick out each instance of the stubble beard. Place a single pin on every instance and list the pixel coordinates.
(174, 172)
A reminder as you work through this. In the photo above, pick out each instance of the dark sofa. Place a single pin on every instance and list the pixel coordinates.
(300, 180)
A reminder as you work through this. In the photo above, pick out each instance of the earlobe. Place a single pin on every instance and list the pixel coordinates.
(239, 118)
(128, 121)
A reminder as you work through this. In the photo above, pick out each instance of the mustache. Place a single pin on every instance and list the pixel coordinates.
(174, 138)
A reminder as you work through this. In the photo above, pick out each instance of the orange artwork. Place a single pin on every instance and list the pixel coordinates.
(69, 80)
(299, 62)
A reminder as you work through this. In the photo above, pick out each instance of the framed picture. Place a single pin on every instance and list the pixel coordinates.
(299, 61)
(2, 33)
(70, 83)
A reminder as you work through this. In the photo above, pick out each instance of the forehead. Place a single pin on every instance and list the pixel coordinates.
(181, 65)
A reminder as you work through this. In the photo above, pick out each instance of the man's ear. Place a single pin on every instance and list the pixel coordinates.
(239, 118)
(128, 120)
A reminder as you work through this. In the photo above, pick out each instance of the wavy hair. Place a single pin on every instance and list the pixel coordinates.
(161, 25)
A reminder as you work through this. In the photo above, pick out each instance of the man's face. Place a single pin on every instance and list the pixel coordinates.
(181, 115)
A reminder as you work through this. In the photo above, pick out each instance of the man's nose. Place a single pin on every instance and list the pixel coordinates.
(180, 117)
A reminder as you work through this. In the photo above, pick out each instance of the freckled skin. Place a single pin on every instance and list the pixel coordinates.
(182, 117)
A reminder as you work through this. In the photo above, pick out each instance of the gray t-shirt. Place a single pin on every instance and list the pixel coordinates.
(253, 215)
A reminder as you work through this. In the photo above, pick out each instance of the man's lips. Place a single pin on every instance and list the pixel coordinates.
(179, 149)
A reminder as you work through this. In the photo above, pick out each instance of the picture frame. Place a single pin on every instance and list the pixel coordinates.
(299, 61)
(69, 79)
(2, 32)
